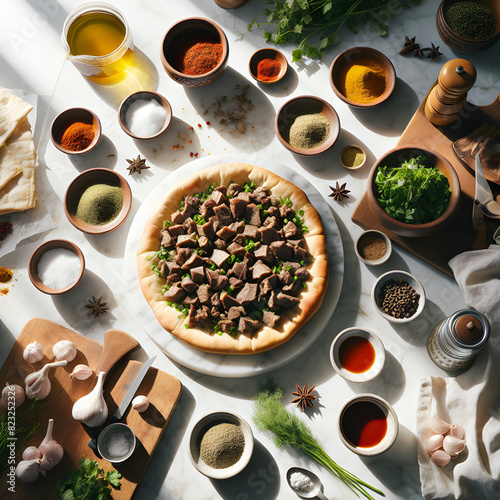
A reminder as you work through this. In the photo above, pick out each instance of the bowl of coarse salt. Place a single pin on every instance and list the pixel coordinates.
(116, 442)
(56, 267)
(145, 115)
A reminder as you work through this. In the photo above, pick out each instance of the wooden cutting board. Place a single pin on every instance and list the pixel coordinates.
(436, 250)
(162, 389)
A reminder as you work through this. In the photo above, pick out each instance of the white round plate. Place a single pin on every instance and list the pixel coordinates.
(225, 365)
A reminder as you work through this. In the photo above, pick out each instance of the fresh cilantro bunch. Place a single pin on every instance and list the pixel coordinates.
(88, 482)
(413, 193)
(313, 24)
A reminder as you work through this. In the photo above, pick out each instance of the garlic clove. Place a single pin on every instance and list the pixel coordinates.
(38, 383)
(440, 458)
(439, 426)
(140, 403)
(92, 409)
(33, 352)
(434, 443)
(452, 445)
(27, 470)
(456, 430)
(12, 394)
(31, 452)
(81, 372)
(65, 349)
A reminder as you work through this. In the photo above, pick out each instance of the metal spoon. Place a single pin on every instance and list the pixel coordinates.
(315, 490)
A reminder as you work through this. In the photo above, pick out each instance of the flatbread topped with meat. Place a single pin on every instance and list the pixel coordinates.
(233, 260)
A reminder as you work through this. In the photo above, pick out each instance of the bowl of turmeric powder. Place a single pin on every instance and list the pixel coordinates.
(75, 131)
(362, 77)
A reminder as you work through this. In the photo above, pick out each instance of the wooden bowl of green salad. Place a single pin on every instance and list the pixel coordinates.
(413, 192)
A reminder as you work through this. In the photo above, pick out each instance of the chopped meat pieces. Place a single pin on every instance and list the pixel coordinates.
(176, 230)
(227, 301)
(237, 207)
(207, 230)
(173, 278)
(226, 325)
(224, 214)
(174, 294)
(268, 235)
(177, 217)
(189, 285)
(252, 215)
(186, 240)
(194, 261)
(261, 271)
(235, 283)
(270, 319)
(271, 221)
(263, 253)
(217, 281)
(206, 208)
(235, 249)
(290, 230)
(183, 254)
(251, 231)
(239, 270)
(235, 312)
(226, 233)
(220, 244)
(167, 240)
(219, 197)
(198, 274)
(247, 325)
(280, 250)
(247, 294)
(218, 257)
(302, 273)
(204, 243)
(203, 294)
(189, 225)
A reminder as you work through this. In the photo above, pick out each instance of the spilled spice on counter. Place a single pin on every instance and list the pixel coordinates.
(309, 130)
(5, 229)
(5, 274)
(222, 445)
(371, 247)
(398, 299)
(4, 291)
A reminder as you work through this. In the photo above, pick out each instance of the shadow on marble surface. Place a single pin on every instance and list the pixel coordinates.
(397, 468)
(284, 87)
(7, 340)
(233, 96)
(104, 155)
(392, 116)
(259, 479)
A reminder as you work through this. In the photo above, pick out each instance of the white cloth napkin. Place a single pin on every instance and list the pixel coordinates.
(472, 399)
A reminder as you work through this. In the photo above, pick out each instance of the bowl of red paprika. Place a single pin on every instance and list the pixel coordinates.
(194, 51)
(268, 65)
(75, 131)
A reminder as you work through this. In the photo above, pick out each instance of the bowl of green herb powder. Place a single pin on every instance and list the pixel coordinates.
(413, 192)
(221, 444)
(98, 201)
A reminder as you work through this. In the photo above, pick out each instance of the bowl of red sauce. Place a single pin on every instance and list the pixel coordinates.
(357, 354)
(368, 425)
(194, 51)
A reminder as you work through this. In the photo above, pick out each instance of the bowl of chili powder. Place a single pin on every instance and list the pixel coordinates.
(194, 51)
(75, 131)
(268, 65)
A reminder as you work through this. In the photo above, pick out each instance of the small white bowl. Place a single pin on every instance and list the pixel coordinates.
(373, 233)
(199, 429)
(392, 425)
(105, 436)
(377, 345)
(398, 276)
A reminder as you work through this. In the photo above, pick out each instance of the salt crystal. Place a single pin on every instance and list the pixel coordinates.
(145, 118)
(58, 268)
(119, 444)
(301, 482)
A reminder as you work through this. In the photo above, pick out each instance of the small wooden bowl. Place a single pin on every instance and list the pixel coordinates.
(37, 255)
(398, 276)
(350, 55)
(185, 28)
(199, 430)
(63, 120)
(147, 96)
(267, 53)
(230, 4)
(392, 425)
(295, 107)
(87, 179)
(396, 157)
(466, 45)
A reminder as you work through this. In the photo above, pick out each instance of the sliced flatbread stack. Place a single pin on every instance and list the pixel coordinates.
(17, 155)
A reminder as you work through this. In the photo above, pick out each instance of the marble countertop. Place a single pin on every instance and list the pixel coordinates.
(32, 59)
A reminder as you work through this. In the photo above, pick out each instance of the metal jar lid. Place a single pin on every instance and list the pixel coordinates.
(471, 329)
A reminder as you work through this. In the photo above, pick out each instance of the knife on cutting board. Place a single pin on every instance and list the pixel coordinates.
(131, 389)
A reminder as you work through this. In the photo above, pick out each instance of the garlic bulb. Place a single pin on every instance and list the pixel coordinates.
(13, 394)
(33, 352)
(31, 452)
(140, 403)
(48, 435)
(440, 458)
(457, 431)
(38, 383)
(439, 426)
(453, 446)
(27, 470)
(81, 372)
(434, 443)
(91, 409)
(65, 349)
(52, 454)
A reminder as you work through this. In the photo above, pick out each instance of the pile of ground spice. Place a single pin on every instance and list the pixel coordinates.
(78, 136)
(222, 445)
(371, 247)
(268, 70)
(5, 274)
(309, 130)
(362, 80)
(100, 204)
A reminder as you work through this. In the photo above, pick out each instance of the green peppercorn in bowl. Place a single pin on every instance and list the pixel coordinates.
(220, 444)
(398, 296)
(98, 201)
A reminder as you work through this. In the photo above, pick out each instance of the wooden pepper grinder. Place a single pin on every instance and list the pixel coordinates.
(447, 99)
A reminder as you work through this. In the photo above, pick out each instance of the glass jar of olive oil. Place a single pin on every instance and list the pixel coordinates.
(98, 41)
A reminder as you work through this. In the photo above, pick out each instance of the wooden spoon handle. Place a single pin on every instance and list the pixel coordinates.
(117, 344)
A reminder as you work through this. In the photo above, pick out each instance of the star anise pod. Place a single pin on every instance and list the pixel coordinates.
(339, 192)
(96, 307)
(434, 52)
(136, 165)
(304, 397)
(409, 45)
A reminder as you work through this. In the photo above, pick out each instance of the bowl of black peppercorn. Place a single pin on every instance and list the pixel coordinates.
(398, 296)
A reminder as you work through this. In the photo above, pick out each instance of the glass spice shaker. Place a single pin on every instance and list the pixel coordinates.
(455, 341)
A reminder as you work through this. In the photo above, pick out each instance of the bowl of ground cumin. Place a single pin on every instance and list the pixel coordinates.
(221, 444)
(307, 125)
(75, 131)
(194, 51)
(362, 77)
(373, 247)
